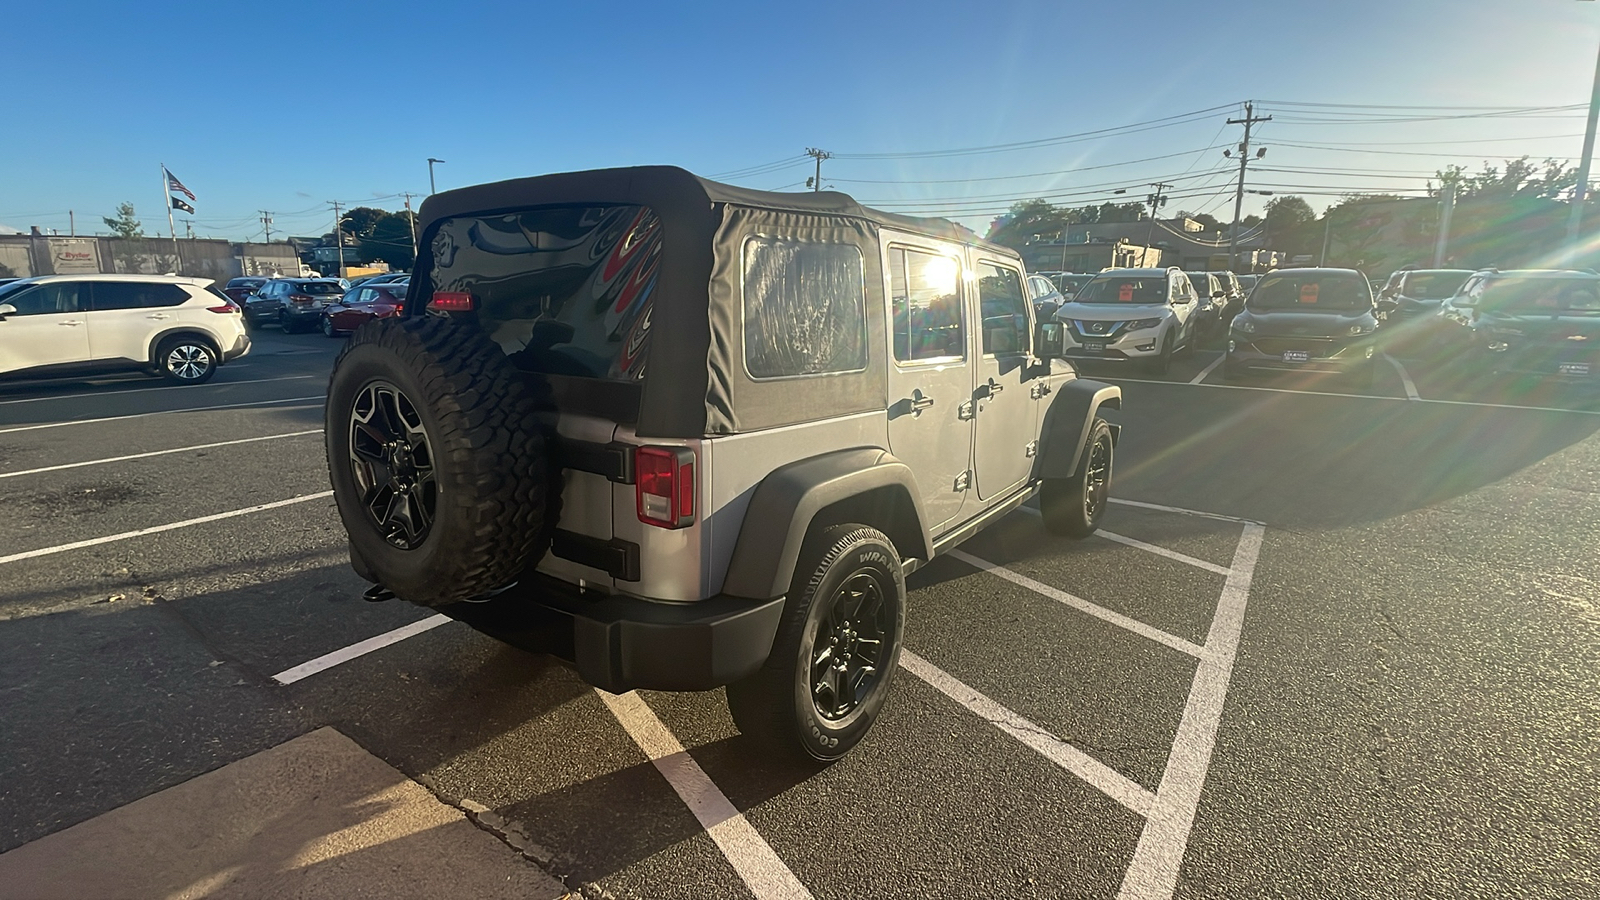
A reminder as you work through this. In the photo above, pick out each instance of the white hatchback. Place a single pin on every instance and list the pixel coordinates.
(180, 328)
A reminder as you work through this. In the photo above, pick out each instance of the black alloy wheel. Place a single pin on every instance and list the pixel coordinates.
(1074, 506)
(848, 645)
(392, 461)
(1097, 478)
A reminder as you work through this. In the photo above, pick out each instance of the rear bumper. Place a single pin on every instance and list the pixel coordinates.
(240, 347)
(621, 643)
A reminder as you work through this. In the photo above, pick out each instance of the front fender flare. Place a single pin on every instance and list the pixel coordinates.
(1067, 423)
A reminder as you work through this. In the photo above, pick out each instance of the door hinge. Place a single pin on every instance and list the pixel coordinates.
(1038, 390)
(1031, 450)
(965, 410)
(964, 480)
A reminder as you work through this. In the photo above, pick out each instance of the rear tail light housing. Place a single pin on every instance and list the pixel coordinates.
(451, 301)
(664, 486)
(229, 307)
(301, 298)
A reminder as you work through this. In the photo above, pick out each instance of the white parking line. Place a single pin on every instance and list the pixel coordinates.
(112, 459)
(159, 412)
(1405, 378)
(1208, 369)
(1080, 604)
(750, 855)
(1153, 874)
(126, 535)
(358, 649)
(1097, 774)
(170, 387)
(1270, 390)
(1181, 511)
(1148, 548)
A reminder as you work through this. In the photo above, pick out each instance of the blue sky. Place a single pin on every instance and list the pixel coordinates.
(289, 105)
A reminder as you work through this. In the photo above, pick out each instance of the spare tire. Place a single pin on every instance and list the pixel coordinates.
(439, 466)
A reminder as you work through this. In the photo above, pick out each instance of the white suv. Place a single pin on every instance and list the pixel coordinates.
(1131, 315)
(182, 328)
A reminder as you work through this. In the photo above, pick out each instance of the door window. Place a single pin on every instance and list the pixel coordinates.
(928, 320)
(47, 299)
(134, 295)
(1005, 310)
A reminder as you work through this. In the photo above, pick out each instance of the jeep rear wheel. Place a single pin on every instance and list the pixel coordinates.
(1074, 506)
(439, 468)
(836, 650)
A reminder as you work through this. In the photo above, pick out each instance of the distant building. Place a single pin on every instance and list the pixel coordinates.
(1181, 242)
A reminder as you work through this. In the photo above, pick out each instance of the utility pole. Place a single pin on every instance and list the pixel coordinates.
(72, 224)
(1250, 118)
(266, 222)
(338, 240)
(819, 156)
(1447, 207)
(432, 188)
(1156, 201)
(412, 218)
(1575, 218)
(188, 229)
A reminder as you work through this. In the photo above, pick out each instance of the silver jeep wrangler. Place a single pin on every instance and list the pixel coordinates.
(687, 435)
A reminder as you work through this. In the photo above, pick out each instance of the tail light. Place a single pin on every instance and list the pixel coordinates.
(451, 301)
(301, 298)
(664, 482)
(229, 307)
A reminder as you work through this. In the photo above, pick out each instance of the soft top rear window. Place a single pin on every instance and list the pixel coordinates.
(562, 290)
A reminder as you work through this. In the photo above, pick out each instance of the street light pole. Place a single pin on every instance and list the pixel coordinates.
(1575, 218)
(432, 188)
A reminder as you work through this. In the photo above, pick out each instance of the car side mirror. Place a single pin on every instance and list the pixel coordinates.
(1048, 342)
(7, 309)
(1384, 304)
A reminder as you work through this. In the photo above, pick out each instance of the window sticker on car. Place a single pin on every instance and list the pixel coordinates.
(1308, 293)
(1125, 293)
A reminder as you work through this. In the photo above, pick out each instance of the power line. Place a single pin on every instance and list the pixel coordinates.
(1165, 122)
(1030, 174)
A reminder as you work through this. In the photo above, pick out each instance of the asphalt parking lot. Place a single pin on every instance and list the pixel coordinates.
(1330, 645)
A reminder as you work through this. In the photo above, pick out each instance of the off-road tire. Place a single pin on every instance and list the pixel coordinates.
(774, 708)
(496, 485)
(1064, 502)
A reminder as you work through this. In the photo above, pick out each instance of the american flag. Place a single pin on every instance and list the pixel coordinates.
(173, 184)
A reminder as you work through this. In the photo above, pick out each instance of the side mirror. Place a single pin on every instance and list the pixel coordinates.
(1217, 295)
(1047, 344)
(1384, 304)
(7, 309)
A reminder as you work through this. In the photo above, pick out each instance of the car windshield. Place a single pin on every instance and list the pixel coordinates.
(319, 287)
(13, 287)
(1552, 296)
(1124, 289)
(1312, 291)
(1435, 285)
(1202, 285)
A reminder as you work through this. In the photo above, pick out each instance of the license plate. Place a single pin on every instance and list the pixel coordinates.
(1094, 346)
(1574, 368)
(1295, 356)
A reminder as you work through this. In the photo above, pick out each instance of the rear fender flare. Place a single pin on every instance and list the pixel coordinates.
(866, 485)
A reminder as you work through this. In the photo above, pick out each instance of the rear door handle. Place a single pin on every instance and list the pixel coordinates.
(918, 404)
(158, 316)
(72, 323)
(994, 387)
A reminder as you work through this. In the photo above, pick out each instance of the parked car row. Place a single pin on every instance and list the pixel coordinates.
(329, 304)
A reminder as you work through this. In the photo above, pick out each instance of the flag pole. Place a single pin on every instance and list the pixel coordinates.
(172, 229)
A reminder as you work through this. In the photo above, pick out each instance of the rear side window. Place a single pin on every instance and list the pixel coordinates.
(805, 308)
(1005, 316)
(562, 290)
(133, 295)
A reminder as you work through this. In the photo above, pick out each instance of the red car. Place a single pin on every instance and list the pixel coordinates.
(240, 288)
(365, 301)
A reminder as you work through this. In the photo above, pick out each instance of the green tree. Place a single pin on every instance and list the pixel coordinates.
(390, 241)
(124, 225)
(360, 222)
(1285, 213)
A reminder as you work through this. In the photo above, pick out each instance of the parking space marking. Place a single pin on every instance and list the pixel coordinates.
(360, 648)
(1148, 548)
(157, 529)
(1153, 874)
(112, 459)
(1082, 605)
(1208, 369)
(1405, 378)
(1092, 771)
(746, 850)
(160, 412)
(1270, 390)
(171, 387)
(1181, 511)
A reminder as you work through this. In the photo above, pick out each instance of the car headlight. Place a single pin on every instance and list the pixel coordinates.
(1244, 326)
(1142, 324)
(1361, 328)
